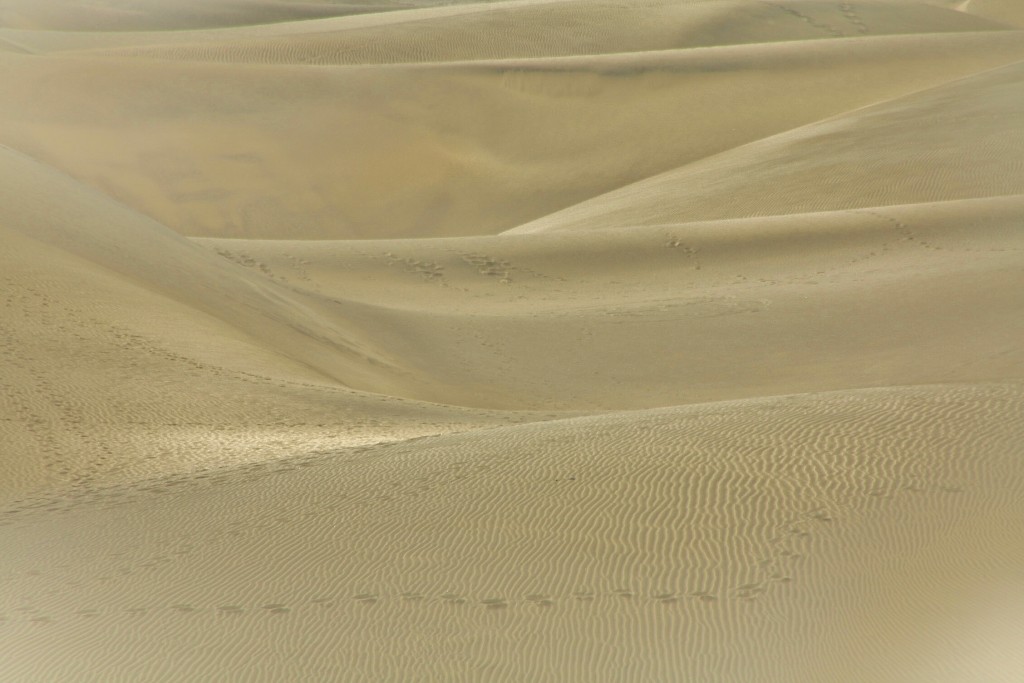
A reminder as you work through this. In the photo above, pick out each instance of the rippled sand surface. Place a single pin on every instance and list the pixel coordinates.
(543, 340)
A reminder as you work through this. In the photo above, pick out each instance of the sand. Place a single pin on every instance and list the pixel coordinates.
(528, 340)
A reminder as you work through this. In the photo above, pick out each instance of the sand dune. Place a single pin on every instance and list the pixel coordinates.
(513, 29)
(129, 351)
(682, 313)
(688, 539)
(1006, 11)
(552, 29)
(527, 340)
(956, 141)
(161, 15)
(213, 150)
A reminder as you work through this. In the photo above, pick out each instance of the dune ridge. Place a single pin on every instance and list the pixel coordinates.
(212, 150)
(539, 30)
(544, 340)
(789, 179)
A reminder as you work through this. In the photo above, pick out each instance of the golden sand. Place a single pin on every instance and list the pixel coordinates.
(543, 340)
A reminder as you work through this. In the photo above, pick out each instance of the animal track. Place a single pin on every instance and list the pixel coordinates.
(485, 265)
(902, 230)
(688, 251)
(428, 270)
(850, 14)
(810, 21)
(789, 544)
(244, 259)
(411, 599)
(501, 269)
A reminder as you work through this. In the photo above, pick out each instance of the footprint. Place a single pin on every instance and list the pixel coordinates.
(540, 600)
(749, 591)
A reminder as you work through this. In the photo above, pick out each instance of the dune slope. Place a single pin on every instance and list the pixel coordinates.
(860, 535)
(129, 351)
(291, 151)
(670, 314)
(956, 141)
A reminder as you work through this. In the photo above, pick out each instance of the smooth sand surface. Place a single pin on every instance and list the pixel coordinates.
(535, 340)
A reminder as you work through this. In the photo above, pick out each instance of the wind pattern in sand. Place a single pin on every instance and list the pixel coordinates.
(533, 340)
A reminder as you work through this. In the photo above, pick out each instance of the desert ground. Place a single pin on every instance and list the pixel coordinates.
(521, 341)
